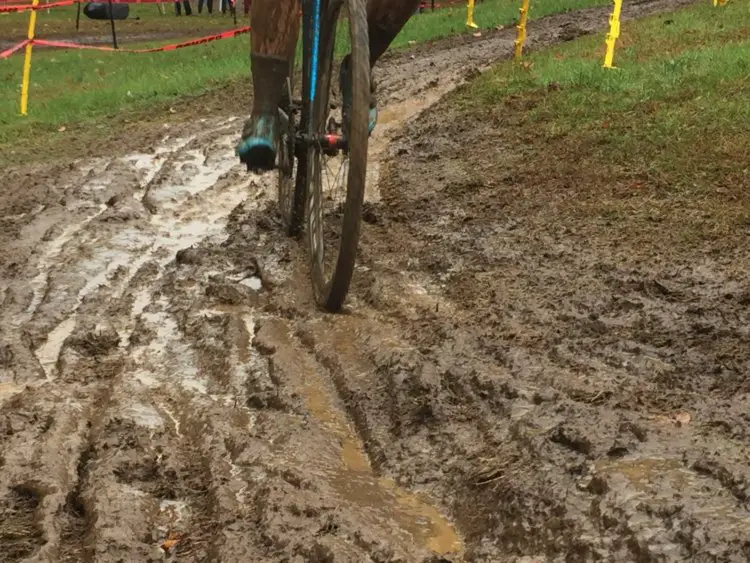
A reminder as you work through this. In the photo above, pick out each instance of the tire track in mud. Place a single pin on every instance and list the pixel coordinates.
(166, 378)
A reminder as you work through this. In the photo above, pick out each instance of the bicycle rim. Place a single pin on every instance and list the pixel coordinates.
(336, 184)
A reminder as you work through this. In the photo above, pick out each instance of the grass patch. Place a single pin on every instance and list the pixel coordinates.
(660, 144)
(488, 15)
(82, 87)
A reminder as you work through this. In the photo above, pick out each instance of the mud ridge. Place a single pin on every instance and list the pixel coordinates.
(169, 384)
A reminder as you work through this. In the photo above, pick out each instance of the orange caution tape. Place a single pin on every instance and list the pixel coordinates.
(28, 7)
(170, 47)
(7, 53)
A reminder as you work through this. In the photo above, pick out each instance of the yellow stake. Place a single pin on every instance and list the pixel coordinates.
(614, 33)
(27, 60)
(521, 37)
(470, 15)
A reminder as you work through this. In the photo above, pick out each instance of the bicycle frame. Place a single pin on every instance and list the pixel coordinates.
(313, 14)
(312, 21)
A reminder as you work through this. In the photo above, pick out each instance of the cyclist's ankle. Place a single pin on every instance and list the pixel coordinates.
(270, 74)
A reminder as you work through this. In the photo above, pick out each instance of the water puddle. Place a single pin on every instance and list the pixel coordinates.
(645, 473)
(243, 346)
(397, 113)
(52, 252)
(143, 415)
(122, 251)
(343, 463)
(253, 283)
(49, 352)
(167, 359)
(141, 300)
(193, 175)
(186, 221)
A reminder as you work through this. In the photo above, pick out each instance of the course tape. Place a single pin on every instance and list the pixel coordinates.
(8, 52)
(27, 7)
(171, 47)
(44, 6)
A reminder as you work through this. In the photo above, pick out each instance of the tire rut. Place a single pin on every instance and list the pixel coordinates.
(170, 385)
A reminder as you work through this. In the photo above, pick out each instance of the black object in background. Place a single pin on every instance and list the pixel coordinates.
(101, 11)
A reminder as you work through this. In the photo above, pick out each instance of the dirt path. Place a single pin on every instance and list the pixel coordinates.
(165, 381)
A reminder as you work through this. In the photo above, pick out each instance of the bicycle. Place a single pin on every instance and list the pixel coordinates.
(315, 139)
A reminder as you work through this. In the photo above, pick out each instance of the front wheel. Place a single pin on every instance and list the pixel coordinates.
(336, 159)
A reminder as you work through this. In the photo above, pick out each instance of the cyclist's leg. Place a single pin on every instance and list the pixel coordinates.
(385, 20)
(275, 27)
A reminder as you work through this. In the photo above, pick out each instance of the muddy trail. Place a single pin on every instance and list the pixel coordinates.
(168, 391)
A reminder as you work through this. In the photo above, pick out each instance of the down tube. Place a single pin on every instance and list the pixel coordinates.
(313, 21)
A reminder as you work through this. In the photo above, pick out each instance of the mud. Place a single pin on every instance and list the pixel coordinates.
(496, 391)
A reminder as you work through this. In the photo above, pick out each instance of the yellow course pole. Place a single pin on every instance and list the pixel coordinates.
(521, 37)
(27, 59)
(614, 33)
(470, 15)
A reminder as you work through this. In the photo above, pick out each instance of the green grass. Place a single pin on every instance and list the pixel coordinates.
(661, 142)
(85, 86)
(488, 15)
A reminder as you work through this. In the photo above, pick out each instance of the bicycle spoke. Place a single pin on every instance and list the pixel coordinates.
(335, 193)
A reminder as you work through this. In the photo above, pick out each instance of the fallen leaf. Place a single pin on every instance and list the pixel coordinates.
(683, 418)
(172, 540)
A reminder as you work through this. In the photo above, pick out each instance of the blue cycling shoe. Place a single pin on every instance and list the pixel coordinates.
(257, 149)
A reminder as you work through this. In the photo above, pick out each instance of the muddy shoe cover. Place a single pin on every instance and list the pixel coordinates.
(259, 141)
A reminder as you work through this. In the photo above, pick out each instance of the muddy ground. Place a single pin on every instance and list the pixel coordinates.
(501, 388)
